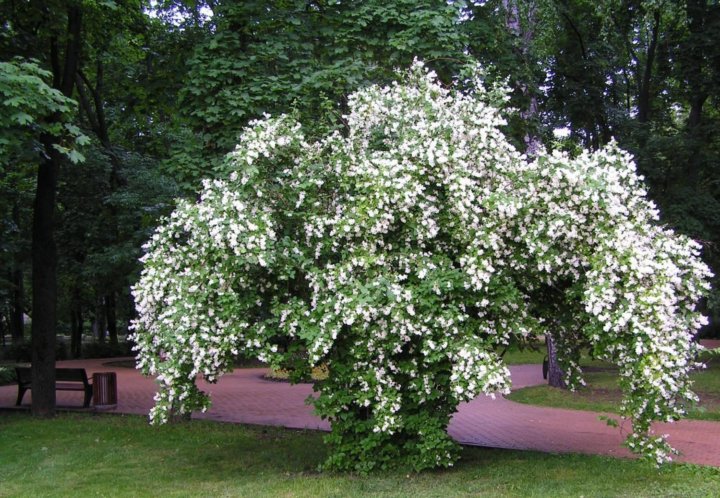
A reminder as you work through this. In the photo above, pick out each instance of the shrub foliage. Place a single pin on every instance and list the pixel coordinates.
(402, 253)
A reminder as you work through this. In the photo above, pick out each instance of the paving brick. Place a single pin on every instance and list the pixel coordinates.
(244, 396)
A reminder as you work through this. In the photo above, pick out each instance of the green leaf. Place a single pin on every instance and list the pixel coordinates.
(22, 118)
(75, 157)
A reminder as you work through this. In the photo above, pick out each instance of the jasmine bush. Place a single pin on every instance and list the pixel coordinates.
(401, 254)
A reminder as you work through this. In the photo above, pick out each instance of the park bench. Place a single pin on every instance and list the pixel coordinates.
(66, 379)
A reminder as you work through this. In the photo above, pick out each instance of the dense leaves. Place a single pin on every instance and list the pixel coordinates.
(27, 103)
(271, 57)
(401, 255)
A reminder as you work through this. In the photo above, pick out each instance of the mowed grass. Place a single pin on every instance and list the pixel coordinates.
(514, 355)
(602, 393)
(84, 455)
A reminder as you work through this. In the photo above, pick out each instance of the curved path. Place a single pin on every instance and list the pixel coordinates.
(243, 396)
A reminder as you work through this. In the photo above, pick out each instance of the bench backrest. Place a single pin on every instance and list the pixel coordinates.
(24, 375)
(71, 375)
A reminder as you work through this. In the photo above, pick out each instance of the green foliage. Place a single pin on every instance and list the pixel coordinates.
(274, 57)
(402, 255)
(26, 104)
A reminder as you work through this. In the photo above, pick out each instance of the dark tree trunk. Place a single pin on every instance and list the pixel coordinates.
(44, 285)
(76, 319)
(17, 310)
(99, 325)
(4, 325)
(111, 315)
(555, 374)
(44, 253)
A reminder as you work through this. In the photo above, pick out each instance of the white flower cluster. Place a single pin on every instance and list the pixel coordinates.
(403, 252)
(198, 280)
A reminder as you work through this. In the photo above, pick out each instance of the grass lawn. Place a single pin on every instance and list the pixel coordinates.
(516, 356)
(86, 455)
(602, 393)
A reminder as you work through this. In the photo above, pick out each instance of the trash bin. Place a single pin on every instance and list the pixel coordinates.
(105, 389)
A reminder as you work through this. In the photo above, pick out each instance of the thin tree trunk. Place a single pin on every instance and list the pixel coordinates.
(17, 309)
(99, 325)
(525, 35)
(111, 315)
(73, 330)
(556, 375)
(17, 312)
(77, 325)
(4, 326)
(644, 91)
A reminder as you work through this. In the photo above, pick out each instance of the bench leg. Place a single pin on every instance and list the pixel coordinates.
(21, 394)
(88, 396)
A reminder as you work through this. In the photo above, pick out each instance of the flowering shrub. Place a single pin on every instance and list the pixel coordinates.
(401, 254)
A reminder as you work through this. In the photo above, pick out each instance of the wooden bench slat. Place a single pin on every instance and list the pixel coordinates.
(69, 387)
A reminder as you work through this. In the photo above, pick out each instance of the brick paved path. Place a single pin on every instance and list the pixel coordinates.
(245, 397)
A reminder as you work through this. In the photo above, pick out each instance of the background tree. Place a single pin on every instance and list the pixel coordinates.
(292, 55)
(80, 43)
(646, 73)
(36, 116)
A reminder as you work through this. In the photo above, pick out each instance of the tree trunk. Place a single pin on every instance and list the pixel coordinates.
(17, 309)
(111, 315)
(76, 318)
(556, 375)
(44, 285)
(694, 61)
(99, 325)
(525, 35)
(3, 327)
(44, 252)
(644, 90)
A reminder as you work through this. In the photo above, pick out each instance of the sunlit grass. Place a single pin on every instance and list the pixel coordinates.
(318, 373)
(602, 393)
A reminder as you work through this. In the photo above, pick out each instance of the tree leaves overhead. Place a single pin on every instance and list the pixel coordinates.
(271, 57)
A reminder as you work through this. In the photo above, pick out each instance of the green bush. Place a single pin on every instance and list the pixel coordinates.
(404, 254)
(7, 376)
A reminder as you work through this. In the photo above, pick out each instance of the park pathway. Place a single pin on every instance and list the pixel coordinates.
(244, 396)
